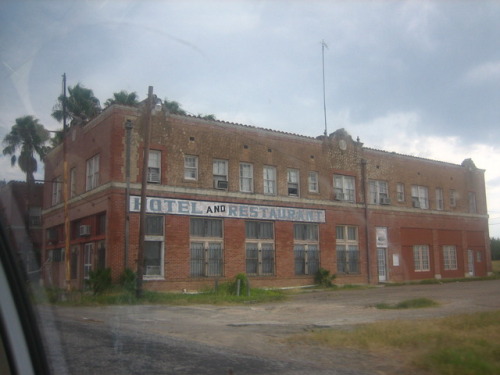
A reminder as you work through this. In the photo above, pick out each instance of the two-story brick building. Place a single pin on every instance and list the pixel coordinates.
(225, 198)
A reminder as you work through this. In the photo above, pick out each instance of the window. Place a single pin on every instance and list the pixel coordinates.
(72, 182)
(154, 247)
(439, 199)
(453, 198)
(88, 255)
(73, 264)
(154, 167)
(56, 191)
(313, 183)
(92, 172)
(306, 248)
(472, 202)
(190, 167)
(450, 257)
(220, 174)
(379, 193)
(420, 196)
(269, 180)
(293, 182)
(246, 177)
(56, 255)
(101, 224)
(101, 255)
(347, 249)
(421, 258)
(35, 216)
(400, 192)
(344, 188)
(259, 247)
(206, 247)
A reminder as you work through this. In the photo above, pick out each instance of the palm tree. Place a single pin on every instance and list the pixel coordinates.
(81, 106)
(28, 136)
(123, 98)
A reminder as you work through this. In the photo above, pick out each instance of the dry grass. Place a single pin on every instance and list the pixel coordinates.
(459, 345)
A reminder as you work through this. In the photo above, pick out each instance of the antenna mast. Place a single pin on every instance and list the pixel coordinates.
(323, 45)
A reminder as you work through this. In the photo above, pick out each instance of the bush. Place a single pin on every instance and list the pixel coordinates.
(99, 280)
(233, 286)
(128, 280)
(323, 278)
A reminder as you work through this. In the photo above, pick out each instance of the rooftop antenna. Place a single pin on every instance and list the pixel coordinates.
(323, 45)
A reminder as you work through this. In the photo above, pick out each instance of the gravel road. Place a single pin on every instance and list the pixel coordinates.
(247, 334)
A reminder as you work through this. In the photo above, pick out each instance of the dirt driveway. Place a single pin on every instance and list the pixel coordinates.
(259, 329)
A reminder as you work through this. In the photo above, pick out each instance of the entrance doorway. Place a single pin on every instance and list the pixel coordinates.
(382, 264)
(470, 262)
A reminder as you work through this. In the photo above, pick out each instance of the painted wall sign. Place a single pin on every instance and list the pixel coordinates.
(229, 210)
(381, 234)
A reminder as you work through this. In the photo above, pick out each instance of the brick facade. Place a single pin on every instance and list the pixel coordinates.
(353, 189)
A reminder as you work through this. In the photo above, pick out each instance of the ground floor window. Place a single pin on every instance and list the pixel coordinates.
(450, 257)
(306, 249)
(347, 248)
(154, 247)
(259, 247)
(88, 257)
(421, 258)
(206, 247)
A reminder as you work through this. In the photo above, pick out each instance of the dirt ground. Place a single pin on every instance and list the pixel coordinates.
(261, 329)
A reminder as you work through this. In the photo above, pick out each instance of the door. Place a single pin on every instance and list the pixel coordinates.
(470, 261)
(382, 264)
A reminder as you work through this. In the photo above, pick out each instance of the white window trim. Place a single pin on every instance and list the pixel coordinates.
(269, 183)
(191, 168)
(421, 255)
(450, 258)
(420, 194)
(400, 191)
(313, 182)
(342, 190)
(439, 199)
(246, 178)
(154, 167)
(378, 190)
(293, 181)
(92, 180)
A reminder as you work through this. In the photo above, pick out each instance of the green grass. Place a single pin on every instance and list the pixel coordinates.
(458, 345)
(416, 303)
(496, 266)
(120, 296)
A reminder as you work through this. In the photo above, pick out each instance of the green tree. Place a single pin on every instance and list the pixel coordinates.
(495, 248)
(174, 107)
(124, 98)
(81, 106)
(28, 137)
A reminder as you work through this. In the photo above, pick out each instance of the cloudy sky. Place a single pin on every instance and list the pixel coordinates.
(417, 77)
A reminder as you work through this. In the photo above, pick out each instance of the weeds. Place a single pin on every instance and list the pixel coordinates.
(416, 303)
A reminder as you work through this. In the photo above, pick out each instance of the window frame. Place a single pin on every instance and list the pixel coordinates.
(262, 261)
(378, 190)
(191, 169)
(450, 258)
(205, 265)
(420, 194)
(157, 237)
(421, 258)
(56, 190)
(246, 181)
(343, 190)
(306, 249)
(216, 175)
(269, 182)
(471, 196)
(439, 199)
(293, 182)
(313, 182)
(154, 171)
(400, 192)
(347, 249)
(92, 172)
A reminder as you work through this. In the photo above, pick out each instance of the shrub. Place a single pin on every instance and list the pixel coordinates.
(233, 286)
(128, 280)
(323, 278)
(99, 280)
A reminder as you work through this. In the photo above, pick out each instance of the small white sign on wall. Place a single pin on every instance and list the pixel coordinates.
(395, 260)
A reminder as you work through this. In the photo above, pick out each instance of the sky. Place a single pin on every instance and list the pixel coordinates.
(415, 77)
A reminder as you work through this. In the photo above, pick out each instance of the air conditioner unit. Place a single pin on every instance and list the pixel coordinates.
(339, 196)
(221, 184)
(84, 230)
(416, 203)
(385, 201)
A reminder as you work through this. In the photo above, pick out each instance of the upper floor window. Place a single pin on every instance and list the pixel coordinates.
(246, 177)
(453, 198)
(439, 199)
(72, 182)
(269, 180)
(154, 166)
(92, 172)
(56, 191)
(35, 216)
(420, 196)
(190, 167)
(379, 192)
(220, 173)
(344, 188)
(293, 182)
(313, 182)
(400, 192)
(472, 202)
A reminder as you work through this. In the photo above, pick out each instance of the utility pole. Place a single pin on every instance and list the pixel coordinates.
(142, 225)
(323, 45)
(67, 255)
(128, 130)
